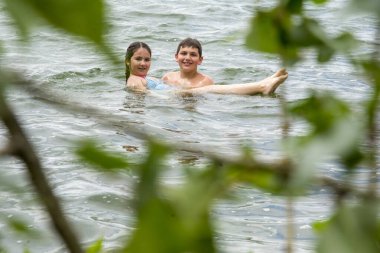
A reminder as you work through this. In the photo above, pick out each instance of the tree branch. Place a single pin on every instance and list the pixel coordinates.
(21, 147)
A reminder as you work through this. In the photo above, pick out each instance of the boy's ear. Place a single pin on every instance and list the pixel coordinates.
(200, 60)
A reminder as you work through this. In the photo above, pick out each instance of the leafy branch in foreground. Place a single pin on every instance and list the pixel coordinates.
(336, 131)
(183, 212)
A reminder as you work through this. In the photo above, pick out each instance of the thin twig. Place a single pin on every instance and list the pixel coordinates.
(373, 127)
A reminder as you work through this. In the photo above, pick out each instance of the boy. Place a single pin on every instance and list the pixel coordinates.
(188, 57)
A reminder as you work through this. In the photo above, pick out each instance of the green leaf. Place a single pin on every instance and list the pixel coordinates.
(172, 221)
(335, 132)
(325, 53)
(368, 6)
(149, 171)
(320, 1)
(158, 229)
(23, 15)
(95, 247)
(264, 180)
(345, 42)
(90, 153)
(351, 230)
(271, 32)
(20, 226)
(322, 110)
(264, 34)
(79, 17)
(295, 6)
(84, 18)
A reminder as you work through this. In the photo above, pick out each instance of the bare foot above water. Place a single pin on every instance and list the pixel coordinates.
(272, 82)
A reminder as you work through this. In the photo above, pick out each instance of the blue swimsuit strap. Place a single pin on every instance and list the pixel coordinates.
(156, 84)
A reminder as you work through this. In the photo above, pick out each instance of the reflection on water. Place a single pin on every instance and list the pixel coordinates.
(98, 203)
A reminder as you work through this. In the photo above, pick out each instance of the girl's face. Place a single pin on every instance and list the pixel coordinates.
(139, 64)
(188, 58)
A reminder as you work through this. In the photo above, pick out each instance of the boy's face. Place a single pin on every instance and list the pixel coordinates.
(188, 58)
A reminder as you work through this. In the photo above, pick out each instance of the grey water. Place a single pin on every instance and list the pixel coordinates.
(96, 202)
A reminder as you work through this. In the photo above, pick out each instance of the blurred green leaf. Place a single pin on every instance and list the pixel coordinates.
(321, 110)
(372, 71)
(149, 171)
(351, 230)
(325, 53)
(335, 132)
(352, 156)
(95, 247)
(89, 152)
(284, 31)
(264, 34)
(23, 15)
(161, 219)
(79, 17)
(19, 226)
(22, 228)
(294, 6)
(84, 18)
(265, 180)
(158, 229)
(367, 6)
(345, 42)
(320, 1)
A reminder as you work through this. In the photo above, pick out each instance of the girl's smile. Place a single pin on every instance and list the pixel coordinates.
(140, 62)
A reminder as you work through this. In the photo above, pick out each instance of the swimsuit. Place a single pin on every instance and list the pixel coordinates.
(156, 84)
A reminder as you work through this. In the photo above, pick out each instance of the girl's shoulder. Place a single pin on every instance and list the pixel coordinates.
(136, 83)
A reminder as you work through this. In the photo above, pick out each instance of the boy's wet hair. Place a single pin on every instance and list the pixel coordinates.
(130, 51)
(190, 42)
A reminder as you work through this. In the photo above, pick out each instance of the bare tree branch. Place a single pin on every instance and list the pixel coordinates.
(21, 147)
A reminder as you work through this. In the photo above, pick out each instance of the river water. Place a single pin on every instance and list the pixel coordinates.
(75, 70)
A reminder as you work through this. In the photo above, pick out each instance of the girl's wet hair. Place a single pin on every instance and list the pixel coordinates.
(190, 42)
(133, 47)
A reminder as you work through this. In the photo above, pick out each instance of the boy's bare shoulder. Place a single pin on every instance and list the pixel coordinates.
(206, 80)
(171, 76)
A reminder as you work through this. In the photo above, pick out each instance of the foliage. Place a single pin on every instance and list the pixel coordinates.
(178, 219)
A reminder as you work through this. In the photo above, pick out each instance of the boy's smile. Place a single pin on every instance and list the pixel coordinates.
(188, 58)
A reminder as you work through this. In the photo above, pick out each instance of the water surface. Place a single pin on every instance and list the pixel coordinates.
(97, 203)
